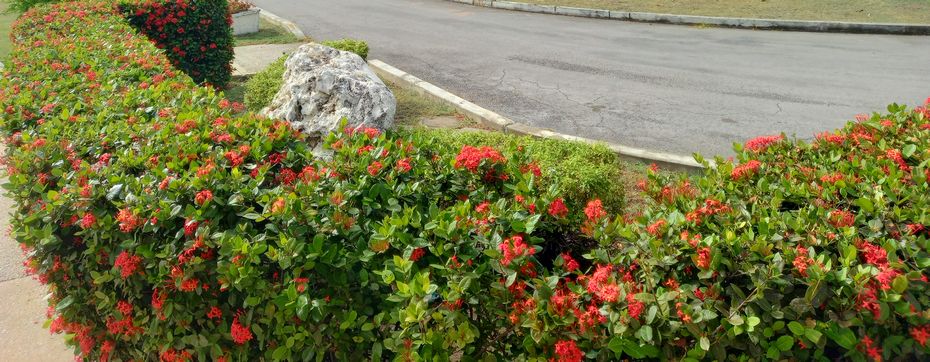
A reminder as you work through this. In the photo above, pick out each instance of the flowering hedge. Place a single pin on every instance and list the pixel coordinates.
(195, 35)
(169, 226)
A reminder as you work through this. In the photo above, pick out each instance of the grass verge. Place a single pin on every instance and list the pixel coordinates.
(268, 33)
(870, 11)
(6, 22)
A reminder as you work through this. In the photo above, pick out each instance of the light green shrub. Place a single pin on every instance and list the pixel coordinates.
(350, 45)
(262, 87)
(582, 171)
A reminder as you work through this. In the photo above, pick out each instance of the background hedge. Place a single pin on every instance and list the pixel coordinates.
(195, 35)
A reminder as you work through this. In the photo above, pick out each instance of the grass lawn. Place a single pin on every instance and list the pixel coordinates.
(6, 20)
(268, 33)
(872, 11)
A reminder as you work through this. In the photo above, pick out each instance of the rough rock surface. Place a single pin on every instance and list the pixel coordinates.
(323, 85)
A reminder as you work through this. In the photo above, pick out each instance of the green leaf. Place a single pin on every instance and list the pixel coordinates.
(280, 352)
(865, 204)
(705, 343)
(842, 336)
(813, 335)
(752, 321)
(796, 328)
(784, 343)
(736, 320)
(909, 150)
(64, 303)
(616, 345)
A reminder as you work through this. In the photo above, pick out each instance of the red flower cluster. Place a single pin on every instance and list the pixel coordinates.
(240, 334)
(403, 165)
(557, 208)
(374, 168)
(745, 170)
(203, 197)
(128, 221)
(595, 210)
(761, 143)
(703, 258)
(657, 228)
(88, 221)
(898, 158)
(569, 263)
(801, 260)
(871, 349)
(710, 207)
(128, 264)
(567, 351)
(513, 248)
(417, 254)
(214, 313)
(842, 218)
(471, 157)
(921, 333)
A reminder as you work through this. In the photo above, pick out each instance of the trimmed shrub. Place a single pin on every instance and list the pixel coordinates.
(238, 6)
(350, 45)
(23, 5)
(582, 171)
(195, 35)
(261, 88)
(166, 227)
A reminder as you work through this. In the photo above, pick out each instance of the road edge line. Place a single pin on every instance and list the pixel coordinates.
(698, 20)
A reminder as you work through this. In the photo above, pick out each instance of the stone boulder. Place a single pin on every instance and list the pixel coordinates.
(322, 86)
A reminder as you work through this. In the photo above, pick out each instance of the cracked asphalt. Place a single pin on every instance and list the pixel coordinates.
(660, 87)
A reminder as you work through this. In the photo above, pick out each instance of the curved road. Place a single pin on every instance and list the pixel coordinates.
(660, 87)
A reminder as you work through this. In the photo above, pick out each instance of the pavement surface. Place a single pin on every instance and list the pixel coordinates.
(254, 58)
(22, 306)
(660, 87)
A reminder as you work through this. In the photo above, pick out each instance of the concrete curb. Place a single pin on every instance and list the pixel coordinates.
(282, 22)
(747, 23)
(503, 124)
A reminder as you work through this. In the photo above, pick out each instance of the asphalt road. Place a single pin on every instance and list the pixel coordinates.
(660, 87)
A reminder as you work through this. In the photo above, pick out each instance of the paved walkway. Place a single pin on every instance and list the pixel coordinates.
(667, 88)
(254, 58)
(22, 306)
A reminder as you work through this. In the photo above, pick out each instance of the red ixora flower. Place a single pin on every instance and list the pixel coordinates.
(841, 218)
(557, 208)
(514, 247)
(703, 258)
(214, 313)
(567, 351)
(127, 263)
(374, 168)
(745, 170)
(470, 157)
(922, 333)
(570, 263)
(657, 228)
(88, 221)
(128, 221)
(595, 210)
(240, 334)
(759, 144)
(403, 165)
(417, 254)
(203, 197)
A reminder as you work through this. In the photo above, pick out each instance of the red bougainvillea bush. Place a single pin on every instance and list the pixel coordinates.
(195, 34)
(169, 226)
